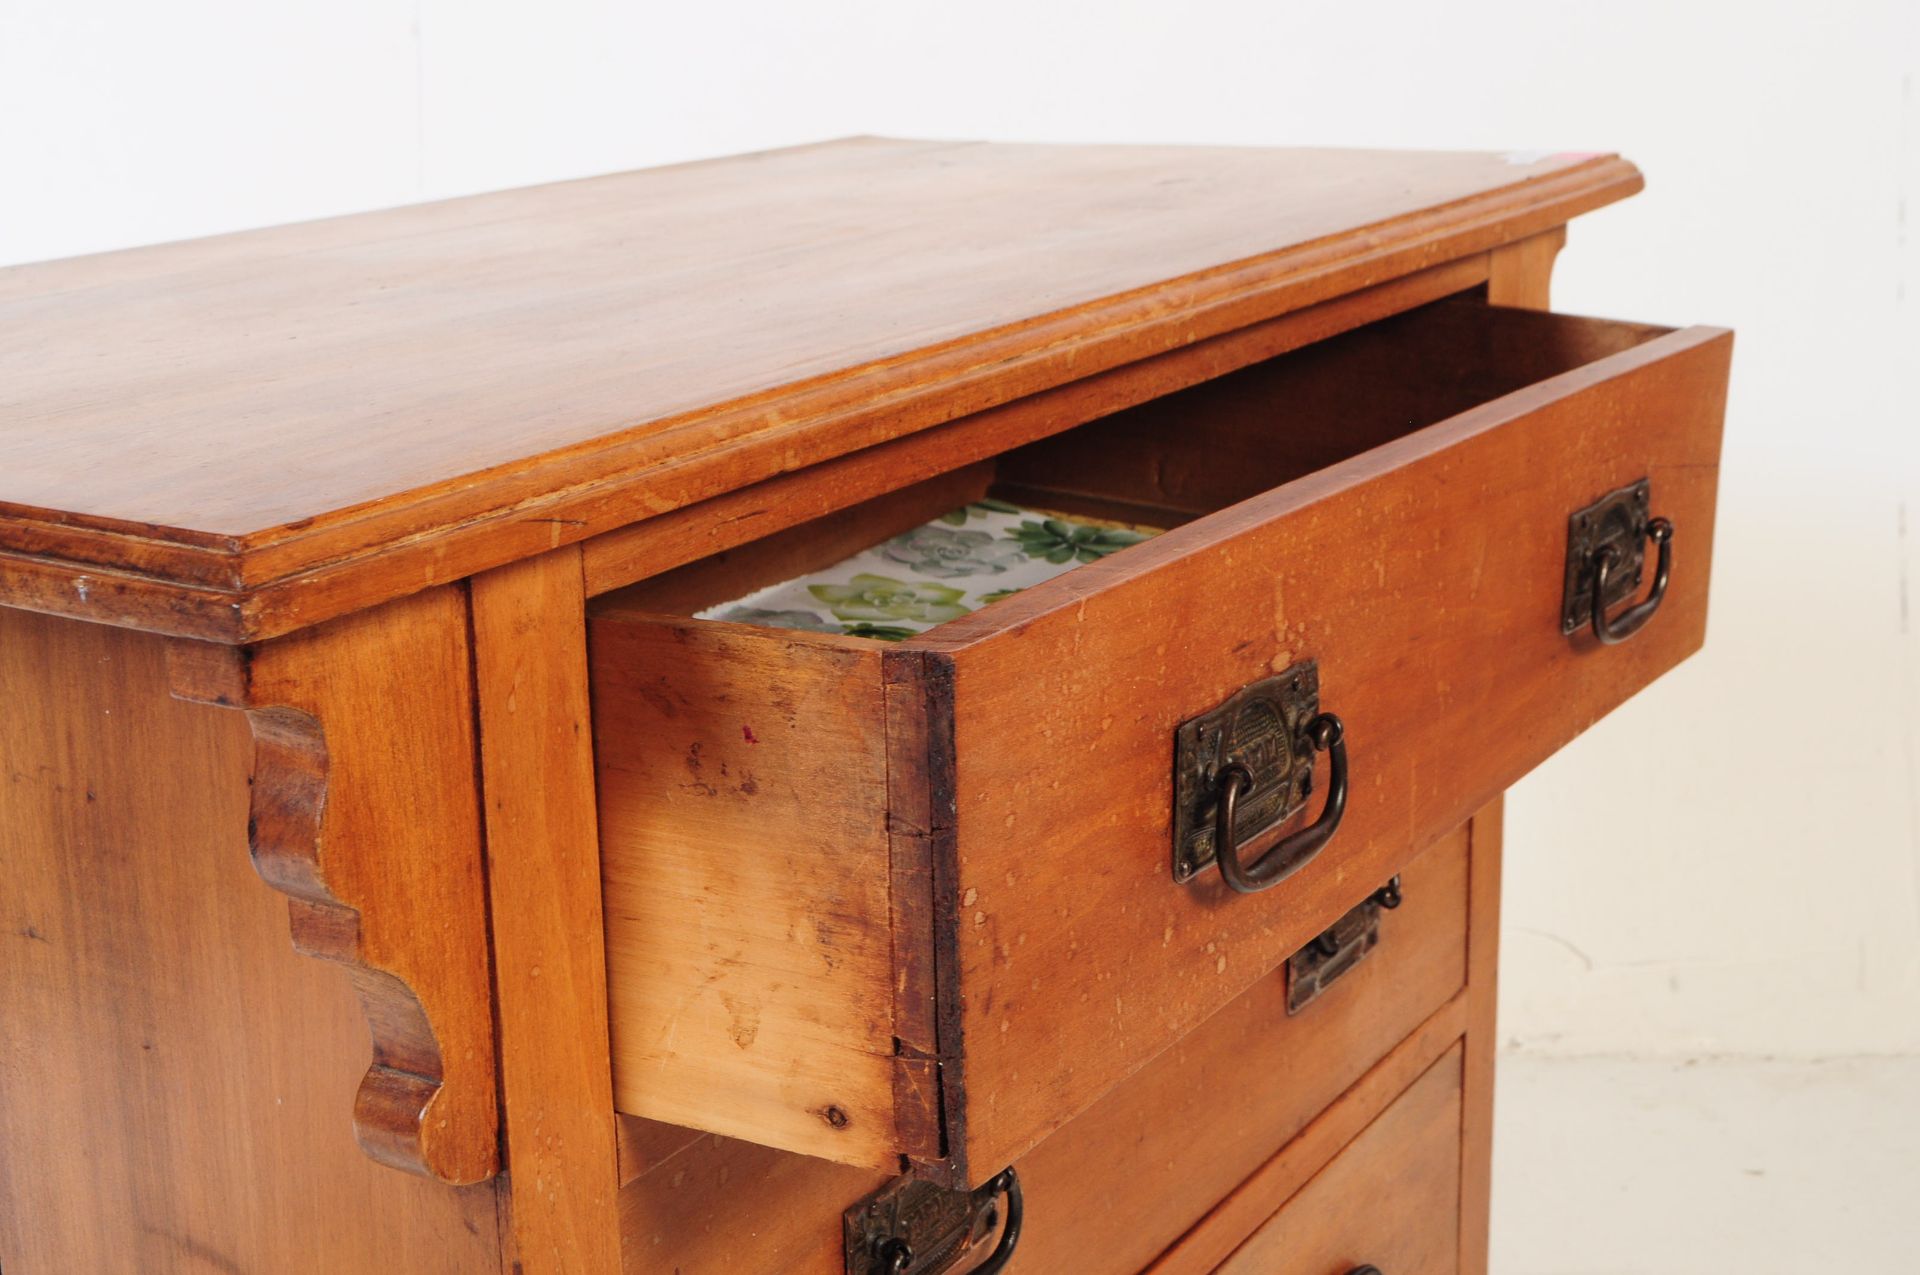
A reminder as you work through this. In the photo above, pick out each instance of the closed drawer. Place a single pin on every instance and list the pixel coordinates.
(1125, 1179)
(1390, 1200)
(874, 900)
(1128, 1177)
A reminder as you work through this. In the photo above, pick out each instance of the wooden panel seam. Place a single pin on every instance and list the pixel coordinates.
(929, 1079)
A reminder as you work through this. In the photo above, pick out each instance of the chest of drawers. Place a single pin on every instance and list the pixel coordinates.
(1140, 917)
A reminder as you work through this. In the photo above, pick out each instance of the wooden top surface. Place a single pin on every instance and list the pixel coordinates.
(463, 383)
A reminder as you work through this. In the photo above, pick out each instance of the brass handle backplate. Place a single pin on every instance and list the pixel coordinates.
(912, 1227)
(1243, 768)
(1606, 563)
(1338, 948)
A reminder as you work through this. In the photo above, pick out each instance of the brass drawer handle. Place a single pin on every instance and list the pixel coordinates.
(1007, 1184)
(1291, 853)
(1606, 557)
(1617, 629)
(912, 1227)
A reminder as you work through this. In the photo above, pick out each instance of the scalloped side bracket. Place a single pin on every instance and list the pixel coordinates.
(366, 813)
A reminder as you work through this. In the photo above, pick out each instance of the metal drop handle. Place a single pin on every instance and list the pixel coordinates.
(1291, 853)
(897, 1255)
(1612, 632)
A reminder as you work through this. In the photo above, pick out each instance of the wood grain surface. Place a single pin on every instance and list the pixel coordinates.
(238, 436)
(743, 815)
(175, 1080)
(543, 882)
(366, 814)
(1040, 952)
(1521, 275)
(1389, 1200)
(1425, 576)
(1145, 1164)
(1142, 1167)
(1483, 1038)
(719, 524)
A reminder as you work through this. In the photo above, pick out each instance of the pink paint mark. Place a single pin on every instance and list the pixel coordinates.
(746, 733)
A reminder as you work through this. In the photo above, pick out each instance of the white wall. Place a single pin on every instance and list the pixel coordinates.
(1731, 863)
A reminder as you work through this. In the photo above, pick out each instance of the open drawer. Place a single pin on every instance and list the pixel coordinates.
(928, 899)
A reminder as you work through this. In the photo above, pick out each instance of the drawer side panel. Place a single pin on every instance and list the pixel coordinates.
(743, 815)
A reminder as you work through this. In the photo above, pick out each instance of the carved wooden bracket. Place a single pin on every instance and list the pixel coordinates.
(365, 812)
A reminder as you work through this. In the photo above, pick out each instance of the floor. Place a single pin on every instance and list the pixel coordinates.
(1626, 1167)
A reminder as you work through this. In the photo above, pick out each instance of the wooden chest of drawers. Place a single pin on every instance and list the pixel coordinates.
(398, 551)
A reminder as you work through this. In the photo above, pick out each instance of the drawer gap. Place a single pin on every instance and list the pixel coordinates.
(1171, 460)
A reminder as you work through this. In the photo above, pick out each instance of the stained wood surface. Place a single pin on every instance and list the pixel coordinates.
(543, 878)
(1522, 276)
(1232, 438)
(743, 816)
(1389, 1200)
(1040, 951)
(1425, 576)
(716, 525)
(1132, 1174)
(724, 1207)
(1252, 1203)
(1521, 272)
(365, 813)
(234, 437)
(175, 1080)
(646, 1144)
(1483, 1038)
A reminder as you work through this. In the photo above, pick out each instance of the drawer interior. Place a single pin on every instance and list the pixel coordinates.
(1174, 459)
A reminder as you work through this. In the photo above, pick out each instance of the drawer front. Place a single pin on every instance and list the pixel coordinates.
(1106, 1194)
(1425, 577)
(870, 900)
(1125, 1179)
(1390, 1200)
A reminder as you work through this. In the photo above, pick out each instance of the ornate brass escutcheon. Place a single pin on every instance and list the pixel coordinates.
(912, 1227)
(1246, 766)
(1338, 948)
(1607, 560)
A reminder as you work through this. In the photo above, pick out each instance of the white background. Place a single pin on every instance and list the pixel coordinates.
(1729, 865)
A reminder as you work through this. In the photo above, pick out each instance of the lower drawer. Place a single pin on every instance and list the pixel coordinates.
(1115, 1187)
(1390, 1200)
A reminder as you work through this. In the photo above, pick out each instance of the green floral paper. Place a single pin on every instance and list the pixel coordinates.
(958, 563)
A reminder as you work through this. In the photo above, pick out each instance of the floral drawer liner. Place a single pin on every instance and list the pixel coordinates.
(957, 563)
